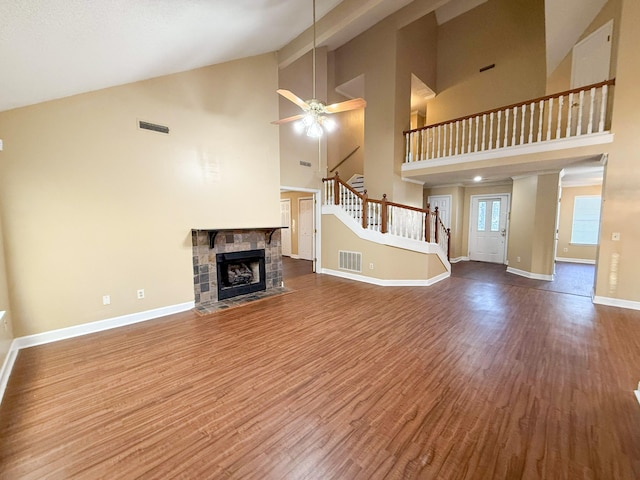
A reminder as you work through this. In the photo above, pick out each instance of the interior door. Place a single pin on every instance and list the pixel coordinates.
(285, 221)
(591, 58)
(488, 228)
(443, 202)
(305, 228)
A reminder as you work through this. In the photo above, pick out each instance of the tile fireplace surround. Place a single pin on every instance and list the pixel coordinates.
(205, 279)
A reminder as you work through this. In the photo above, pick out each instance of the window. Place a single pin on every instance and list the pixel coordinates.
(586, 220)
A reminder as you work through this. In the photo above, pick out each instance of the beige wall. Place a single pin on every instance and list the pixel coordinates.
(618, 261)
(534, 203)
(94, 206)
(390, 263)
(6, 327)
(560, 79)
(293, 198)
(340, 143)
(509, 33)
(578, 252)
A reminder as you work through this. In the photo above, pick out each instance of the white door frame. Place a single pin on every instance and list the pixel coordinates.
(506, 225)
(317, 212)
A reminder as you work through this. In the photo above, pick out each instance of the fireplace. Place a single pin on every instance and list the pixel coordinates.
(240, 273)
(253, 257)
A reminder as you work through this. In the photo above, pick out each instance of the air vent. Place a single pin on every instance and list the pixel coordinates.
(305, 164)
(154, 127)
(351, 261)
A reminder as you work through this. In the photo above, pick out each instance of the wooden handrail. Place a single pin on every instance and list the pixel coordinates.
(345, 158)
(384, 203)
(515, 105)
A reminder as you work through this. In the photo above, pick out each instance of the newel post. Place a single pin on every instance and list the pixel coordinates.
(448, 244)
(436, 226)
(427, 224)
(336, 190)
(364, 210)
(383, 214)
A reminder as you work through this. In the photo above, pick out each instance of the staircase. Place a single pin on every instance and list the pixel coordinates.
(394, 219)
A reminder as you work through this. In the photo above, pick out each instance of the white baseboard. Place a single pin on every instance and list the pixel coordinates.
(616, 302)
(386, 283)
(534, 276)
(7, 366)
(79, 330)
(459, 259)
(576, 260)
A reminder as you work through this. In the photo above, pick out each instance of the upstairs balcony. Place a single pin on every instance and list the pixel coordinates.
(567, 120)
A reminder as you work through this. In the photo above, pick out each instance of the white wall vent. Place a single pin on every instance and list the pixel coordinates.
(351, 261)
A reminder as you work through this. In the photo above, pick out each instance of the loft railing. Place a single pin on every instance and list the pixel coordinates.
(387, 217)
(571, 114)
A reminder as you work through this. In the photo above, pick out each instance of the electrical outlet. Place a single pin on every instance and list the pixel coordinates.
(106, 299)
(565, 249)
(371, 266)
(518, 259)
(141, 294)
(615, 236)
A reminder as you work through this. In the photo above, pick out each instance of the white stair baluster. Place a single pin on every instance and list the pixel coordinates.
(603, 108)
(579, 129)
(560, 105)
(591, 103)
(506, 128)
(549, 120)
(540, 115)
(491, 131)
(569, 115)
(533, 108)
(498, 129)
(515, 125)
(475, 144)
(450, 138)
(524, 111)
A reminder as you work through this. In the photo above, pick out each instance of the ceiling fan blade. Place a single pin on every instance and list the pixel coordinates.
(294, 98)
(288, 119)
(344, 106)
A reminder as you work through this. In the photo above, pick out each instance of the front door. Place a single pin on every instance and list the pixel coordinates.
(488, 228)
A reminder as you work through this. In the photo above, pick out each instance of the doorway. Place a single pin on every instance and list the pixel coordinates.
(304, 224)
(488, 228)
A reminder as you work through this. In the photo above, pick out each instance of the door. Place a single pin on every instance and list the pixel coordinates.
(488, 228)
(305, 228)
(591, 58)
(285, 222)
(443, 202)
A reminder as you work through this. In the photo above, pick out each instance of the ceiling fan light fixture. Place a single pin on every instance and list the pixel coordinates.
(329, 124)
(314, 130)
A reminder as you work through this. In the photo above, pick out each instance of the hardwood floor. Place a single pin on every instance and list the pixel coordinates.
(339, 380)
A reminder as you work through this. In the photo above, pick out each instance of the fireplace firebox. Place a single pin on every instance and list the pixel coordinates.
(240, 273)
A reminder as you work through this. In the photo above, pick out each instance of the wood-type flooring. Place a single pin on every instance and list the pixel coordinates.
(338, 380)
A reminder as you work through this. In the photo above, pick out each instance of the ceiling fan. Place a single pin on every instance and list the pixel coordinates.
(313, 119)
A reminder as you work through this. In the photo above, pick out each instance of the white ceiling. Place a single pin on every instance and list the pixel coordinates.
(52, 49)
